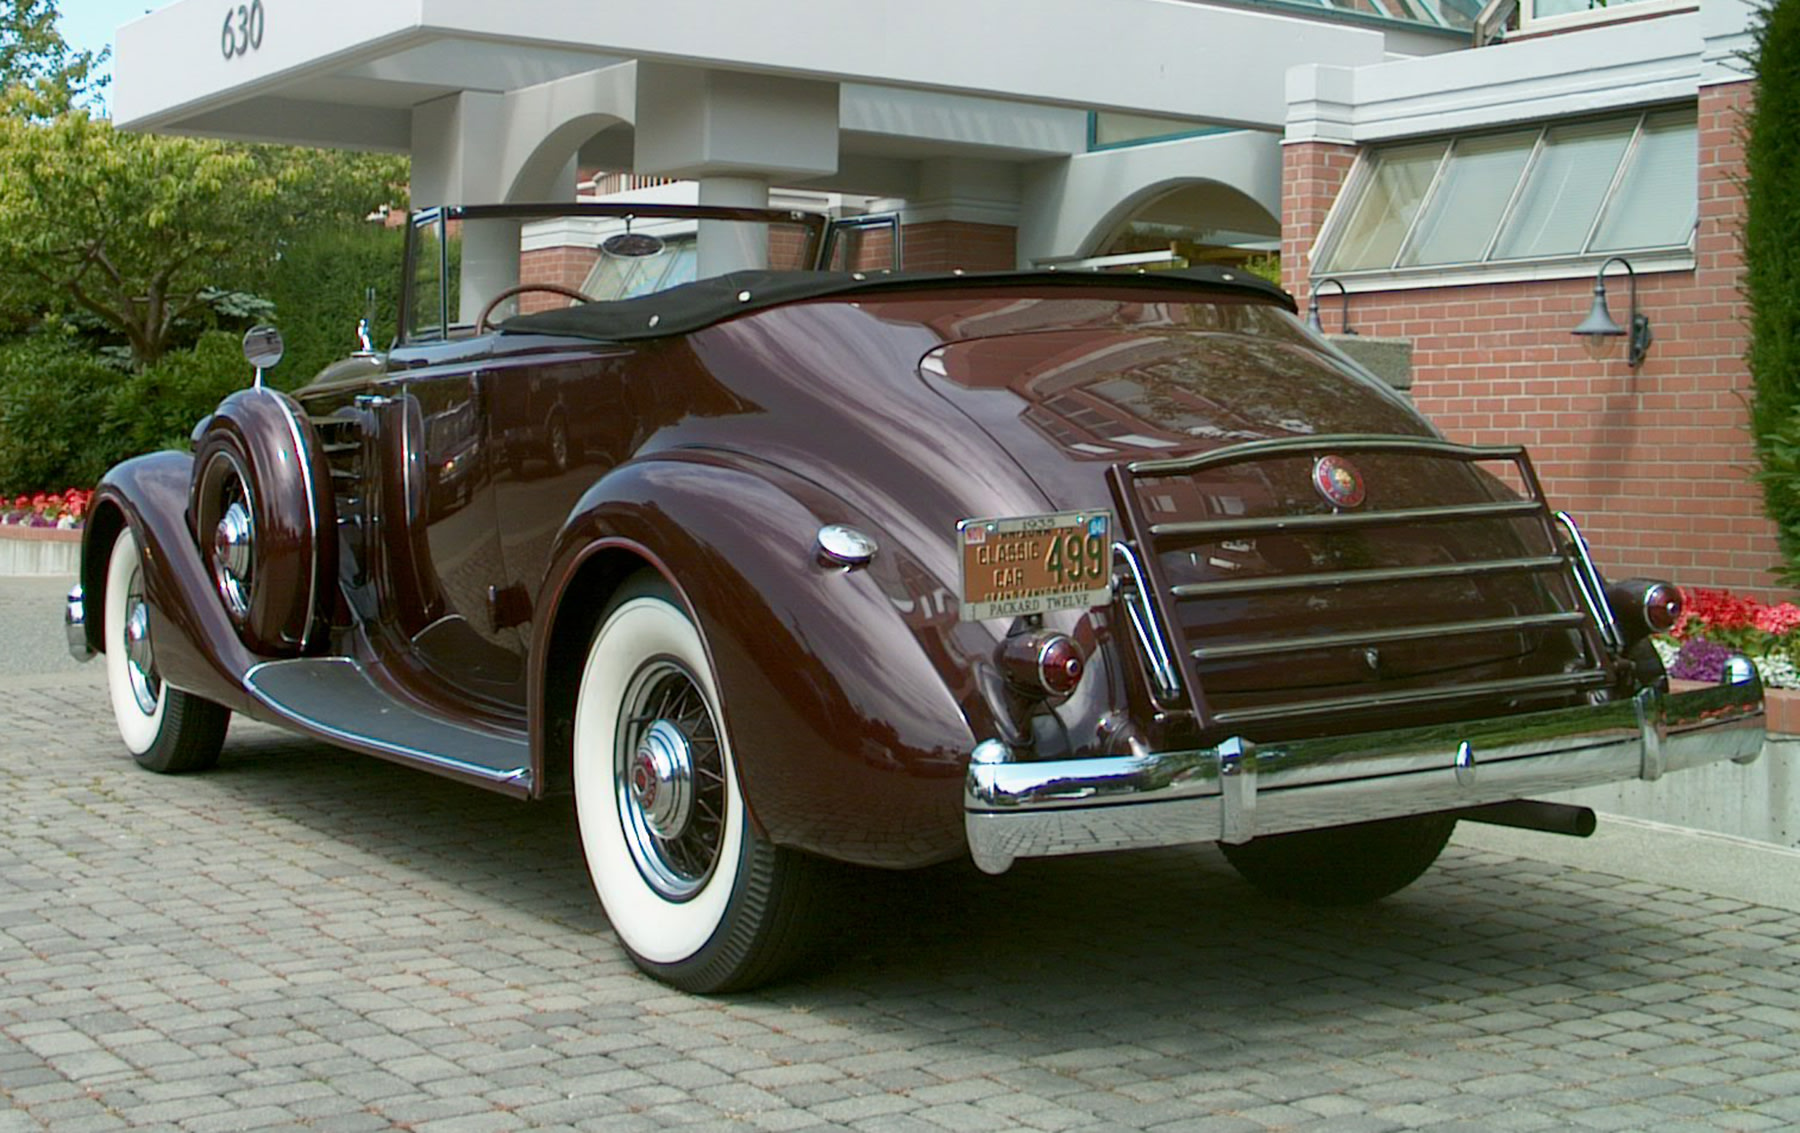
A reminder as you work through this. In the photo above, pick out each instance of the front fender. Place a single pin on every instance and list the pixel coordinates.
(197, 649)
(849, 694)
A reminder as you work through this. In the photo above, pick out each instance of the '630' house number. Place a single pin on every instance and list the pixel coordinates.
(243, 30)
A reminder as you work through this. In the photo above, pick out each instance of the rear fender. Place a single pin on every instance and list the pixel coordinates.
(849, 694)
(197, 649)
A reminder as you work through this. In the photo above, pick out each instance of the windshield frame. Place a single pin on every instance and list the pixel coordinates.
(438, 218)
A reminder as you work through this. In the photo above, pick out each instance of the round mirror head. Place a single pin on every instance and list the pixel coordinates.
(632, 245)
(262, 347)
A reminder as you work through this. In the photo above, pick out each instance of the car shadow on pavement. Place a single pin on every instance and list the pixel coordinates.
(1127, 939)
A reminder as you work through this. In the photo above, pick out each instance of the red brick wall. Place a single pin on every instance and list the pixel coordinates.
(1656, 464)
(567, 266)
(947, 245)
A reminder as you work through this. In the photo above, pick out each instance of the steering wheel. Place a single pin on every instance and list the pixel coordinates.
(481, 324)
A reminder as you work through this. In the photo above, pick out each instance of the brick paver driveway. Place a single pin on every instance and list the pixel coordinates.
(308, 939)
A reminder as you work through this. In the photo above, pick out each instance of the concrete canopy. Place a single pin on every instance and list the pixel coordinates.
(346, 72)
(954, 99)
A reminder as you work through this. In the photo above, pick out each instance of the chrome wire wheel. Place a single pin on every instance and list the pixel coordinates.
(696, 895)
(140, 657)
(670, 774)
(164, 728)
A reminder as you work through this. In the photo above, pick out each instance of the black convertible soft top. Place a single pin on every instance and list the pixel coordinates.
(705, 302)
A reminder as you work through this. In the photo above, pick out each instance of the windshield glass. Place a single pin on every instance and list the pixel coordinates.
(470, 266)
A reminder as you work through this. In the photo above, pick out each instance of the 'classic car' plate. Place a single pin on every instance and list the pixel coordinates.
(1032, 564)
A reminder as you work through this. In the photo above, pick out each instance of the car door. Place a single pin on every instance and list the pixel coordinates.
(439, 534)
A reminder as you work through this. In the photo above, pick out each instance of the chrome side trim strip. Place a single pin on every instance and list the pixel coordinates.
(1238, 790)
(312, 519)
(1148, 628)
(1587, 580)
(1382, 636)
(1339, 521)
(1270, 584)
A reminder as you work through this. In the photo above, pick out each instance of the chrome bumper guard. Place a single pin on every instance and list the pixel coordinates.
(1239, 790)
(75, 625)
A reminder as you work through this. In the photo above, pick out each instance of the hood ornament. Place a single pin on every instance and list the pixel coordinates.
(1338, 481)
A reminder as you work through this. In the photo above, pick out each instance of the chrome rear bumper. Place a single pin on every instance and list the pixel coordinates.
(1239, 790)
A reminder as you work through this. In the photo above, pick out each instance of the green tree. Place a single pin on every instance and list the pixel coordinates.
(1772, 267)
(40, 74)
(139, 231)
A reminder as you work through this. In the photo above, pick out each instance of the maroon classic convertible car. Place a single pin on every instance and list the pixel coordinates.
(786, 565)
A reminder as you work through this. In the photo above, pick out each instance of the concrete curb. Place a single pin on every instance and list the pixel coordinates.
(39, 550)
(1658, 854)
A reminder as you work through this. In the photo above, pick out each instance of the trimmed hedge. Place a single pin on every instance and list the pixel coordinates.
(319, 289)
(66, 417)
(1772, 269)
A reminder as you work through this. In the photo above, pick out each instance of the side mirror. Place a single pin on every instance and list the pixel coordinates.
(632, 246)
(263, 349)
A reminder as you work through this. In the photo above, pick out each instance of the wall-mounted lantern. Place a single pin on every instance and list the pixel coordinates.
(1601, 336)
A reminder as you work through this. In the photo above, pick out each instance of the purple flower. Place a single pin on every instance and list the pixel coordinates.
(1700, 660)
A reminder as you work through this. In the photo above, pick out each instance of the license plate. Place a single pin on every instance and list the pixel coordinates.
(1033, 564)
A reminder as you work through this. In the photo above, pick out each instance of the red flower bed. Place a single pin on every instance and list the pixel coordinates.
(46, 509)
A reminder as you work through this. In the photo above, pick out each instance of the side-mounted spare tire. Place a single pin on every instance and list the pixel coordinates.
(265, 521)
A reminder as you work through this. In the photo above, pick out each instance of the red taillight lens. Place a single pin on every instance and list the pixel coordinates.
(1043, 664)
(1663, 606)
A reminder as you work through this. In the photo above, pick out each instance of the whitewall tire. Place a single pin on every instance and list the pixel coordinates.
(165, 729)
(697, 897)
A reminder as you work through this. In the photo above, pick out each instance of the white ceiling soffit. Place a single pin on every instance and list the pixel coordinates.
(1148, 56)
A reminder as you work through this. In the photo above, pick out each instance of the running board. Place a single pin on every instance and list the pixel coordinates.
(334, 699)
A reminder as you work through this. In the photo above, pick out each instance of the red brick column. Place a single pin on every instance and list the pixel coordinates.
(1312, 173)
(566, 266)
(948, 245)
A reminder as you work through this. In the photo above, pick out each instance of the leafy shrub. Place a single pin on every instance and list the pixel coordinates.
(156, 408)
(66, 416)
(319, 290)
(1772, 268)
(52, 395)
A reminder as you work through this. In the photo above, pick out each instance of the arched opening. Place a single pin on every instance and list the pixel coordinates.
(1188, 223)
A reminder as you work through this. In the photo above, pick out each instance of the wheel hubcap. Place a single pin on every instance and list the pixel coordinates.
(670, 773)
(140, 659)
(662, 779)
(233, 555)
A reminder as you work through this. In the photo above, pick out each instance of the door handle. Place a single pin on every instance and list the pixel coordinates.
(373, 401)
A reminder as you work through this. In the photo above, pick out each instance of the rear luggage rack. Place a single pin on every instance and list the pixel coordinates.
(1527, 582)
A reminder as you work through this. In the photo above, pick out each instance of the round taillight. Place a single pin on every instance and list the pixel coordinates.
(1663, 607)
(1043, 664)
(1060, 665)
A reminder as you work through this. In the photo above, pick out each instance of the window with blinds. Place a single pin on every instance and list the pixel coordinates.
(1563, 191)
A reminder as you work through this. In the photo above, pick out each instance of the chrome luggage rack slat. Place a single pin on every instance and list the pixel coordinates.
(1209, 529)
(1151, 600)
(1561, 620)
(1402, 698)
(1368, 576)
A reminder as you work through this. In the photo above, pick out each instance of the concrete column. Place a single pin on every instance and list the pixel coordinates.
(723, 245)
(490, 264)
(735, 133)
(454, 140)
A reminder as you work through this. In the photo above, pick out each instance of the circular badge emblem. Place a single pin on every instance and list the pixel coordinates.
(1338, 481)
